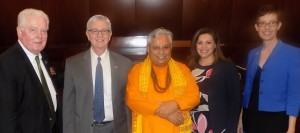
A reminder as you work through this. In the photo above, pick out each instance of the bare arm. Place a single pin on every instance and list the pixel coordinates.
(292, 124)
(240, 124)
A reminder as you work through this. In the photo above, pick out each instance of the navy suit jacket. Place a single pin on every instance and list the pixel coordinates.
(23, 104)
(224, 97)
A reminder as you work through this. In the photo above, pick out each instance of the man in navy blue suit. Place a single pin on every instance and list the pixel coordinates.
(28, 98)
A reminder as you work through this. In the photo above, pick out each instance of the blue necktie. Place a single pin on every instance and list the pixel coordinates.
(99, 113)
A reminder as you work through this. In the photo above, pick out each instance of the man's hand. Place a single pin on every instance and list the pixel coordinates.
(176, 118)
(166, 108)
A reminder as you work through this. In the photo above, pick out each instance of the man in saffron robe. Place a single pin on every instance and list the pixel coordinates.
(161, 91)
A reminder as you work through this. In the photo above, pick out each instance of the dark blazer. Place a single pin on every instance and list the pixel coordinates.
(78, 93)
(23, 104)
(224, 97)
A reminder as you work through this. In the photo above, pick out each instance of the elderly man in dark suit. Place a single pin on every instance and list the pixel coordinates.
(94, 87)
(28, 98)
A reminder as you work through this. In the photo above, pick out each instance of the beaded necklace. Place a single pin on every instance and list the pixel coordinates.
(155, 82)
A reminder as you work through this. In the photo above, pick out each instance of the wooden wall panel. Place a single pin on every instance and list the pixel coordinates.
(121, 13)
(9, 11)
(133, 47)
(233, 19)
(206, 13)
(74, 15)
(66, 35)
(54, 12)
(243, 20)
(151, 14)
(291, 24)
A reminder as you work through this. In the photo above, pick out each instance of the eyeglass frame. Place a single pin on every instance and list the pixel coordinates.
(96, 31)
(270, 24)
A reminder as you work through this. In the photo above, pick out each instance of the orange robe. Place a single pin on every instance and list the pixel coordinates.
(146, 105)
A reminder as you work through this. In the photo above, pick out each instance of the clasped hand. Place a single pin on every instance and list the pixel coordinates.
(169, 111)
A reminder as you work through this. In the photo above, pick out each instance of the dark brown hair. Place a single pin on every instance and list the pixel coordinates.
(193, 59)
(268, 9)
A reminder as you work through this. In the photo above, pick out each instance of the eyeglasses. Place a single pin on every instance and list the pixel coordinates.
(264, 24)
(96, 31)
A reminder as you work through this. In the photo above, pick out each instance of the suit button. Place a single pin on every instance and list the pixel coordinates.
(50, 119)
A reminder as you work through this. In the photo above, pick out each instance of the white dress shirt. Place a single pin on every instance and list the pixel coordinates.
(105, 62)
(31, 57)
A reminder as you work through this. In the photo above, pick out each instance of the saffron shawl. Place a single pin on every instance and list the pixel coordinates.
(179, 84)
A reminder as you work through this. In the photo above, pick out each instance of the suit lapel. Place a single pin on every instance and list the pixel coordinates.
(254, 62)
(274, 53)
(114, 75)
(46, 64)
(215, 68)
(34, 77)
(87, 72)
(45, 61)
(27, 63)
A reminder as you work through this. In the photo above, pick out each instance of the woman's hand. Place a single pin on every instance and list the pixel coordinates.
(240, 124)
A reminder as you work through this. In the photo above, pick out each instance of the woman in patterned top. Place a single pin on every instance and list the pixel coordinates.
(219, 108)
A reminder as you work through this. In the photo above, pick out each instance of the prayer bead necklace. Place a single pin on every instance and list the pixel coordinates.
(155, 82)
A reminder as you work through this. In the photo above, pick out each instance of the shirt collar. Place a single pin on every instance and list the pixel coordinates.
(29, 54)
(95, 56)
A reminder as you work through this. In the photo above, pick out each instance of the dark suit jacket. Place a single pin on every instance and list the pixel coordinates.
(23, 104)
(224, 97)
(78, 93)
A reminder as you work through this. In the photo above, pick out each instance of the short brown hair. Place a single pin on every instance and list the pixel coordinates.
(268, 9)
